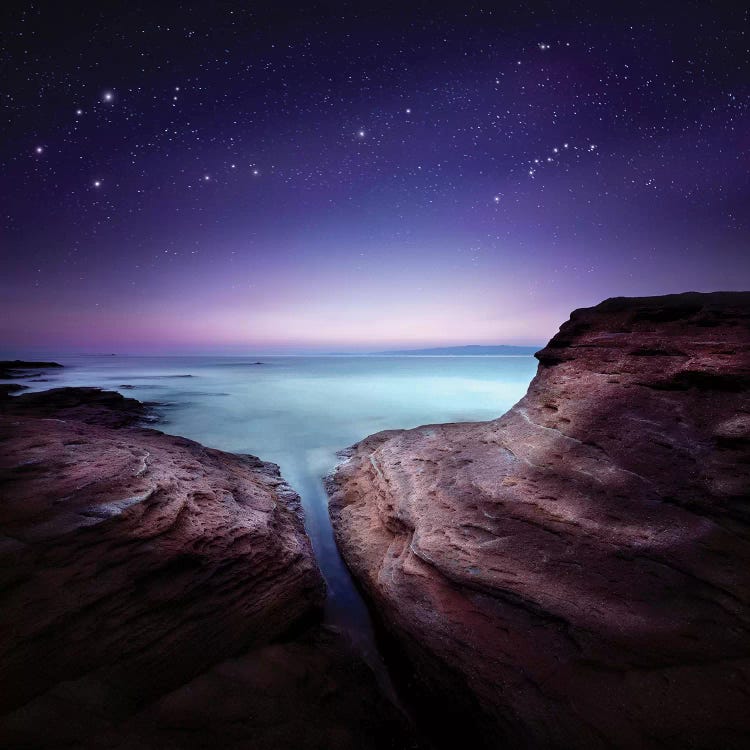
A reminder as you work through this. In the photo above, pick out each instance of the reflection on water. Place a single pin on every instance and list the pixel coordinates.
(299, 411)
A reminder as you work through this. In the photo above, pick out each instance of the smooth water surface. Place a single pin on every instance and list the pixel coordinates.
(299, 411)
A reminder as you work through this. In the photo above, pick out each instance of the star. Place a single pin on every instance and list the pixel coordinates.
(361, 133)
(256, 172)
(97, 183)
(408, 110)
(496, 199)
(108, 96)
(79, 112)
(39, 150)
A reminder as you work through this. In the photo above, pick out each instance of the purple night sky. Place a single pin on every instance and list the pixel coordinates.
(222, 177)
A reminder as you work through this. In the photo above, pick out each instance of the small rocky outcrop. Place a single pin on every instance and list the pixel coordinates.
(131, 562)
(87, 405)
(576, 574)
(10, 369)
(8, 389)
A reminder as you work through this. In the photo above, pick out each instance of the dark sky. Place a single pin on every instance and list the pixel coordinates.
(225, 177)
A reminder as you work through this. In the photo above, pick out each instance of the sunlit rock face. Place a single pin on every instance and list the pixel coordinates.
(130, 562)
(576, 573)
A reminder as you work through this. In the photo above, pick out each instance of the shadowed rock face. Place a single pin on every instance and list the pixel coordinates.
(576, 573)
(130, 562)
(310, 693)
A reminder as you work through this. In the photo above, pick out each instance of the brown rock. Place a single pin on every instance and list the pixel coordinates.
(576, 573)
(88, 405)
(130, 562)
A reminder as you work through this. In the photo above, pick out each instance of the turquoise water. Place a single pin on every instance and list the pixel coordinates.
(299, 411)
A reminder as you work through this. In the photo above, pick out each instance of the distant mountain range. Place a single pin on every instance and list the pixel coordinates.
(474, 350)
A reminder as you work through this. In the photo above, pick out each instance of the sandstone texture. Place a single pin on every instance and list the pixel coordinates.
(576, 574)
(131, 562)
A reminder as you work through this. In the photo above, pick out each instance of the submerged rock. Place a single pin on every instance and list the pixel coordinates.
(130, 562)
(576, 573)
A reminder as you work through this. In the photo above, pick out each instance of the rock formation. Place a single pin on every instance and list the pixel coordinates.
(20, 368)
(87, 405)
(576, 574)
(155, 593)
(130, 562)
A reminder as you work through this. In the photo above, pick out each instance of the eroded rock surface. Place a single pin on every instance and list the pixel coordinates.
(130, 562)
(576, 573)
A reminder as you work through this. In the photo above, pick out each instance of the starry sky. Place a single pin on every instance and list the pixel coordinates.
(260, 177)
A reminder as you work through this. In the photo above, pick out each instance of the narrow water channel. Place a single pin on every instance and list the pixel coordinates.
(345, 609)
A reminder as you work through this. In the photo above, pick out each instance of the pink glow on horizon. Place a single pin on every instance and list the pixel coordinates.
(346, 322)
(294, 301)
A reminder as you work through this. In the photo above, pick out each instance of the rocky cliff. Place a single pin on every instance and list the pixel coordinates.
(576, 573)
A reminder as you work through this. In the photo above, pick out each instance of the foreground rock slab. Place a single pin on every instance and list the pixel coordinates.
(576, 574)
(130, 562)
(310, 693)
